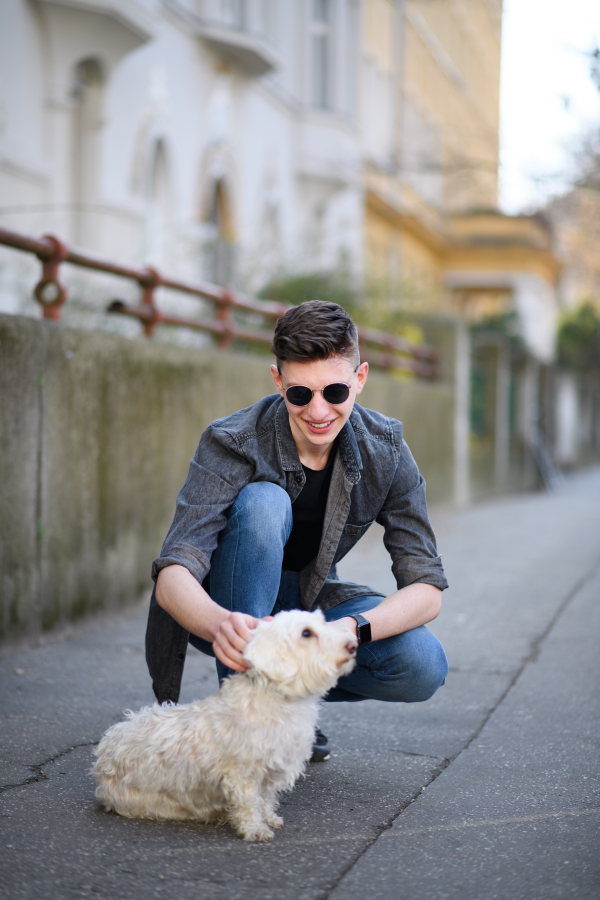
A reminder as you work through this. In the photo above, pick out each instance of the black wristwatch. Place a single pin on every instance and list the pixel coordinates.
(363, 629)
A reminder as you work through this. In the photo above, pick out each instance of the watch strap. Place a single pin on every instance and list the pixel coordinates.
(363, 629)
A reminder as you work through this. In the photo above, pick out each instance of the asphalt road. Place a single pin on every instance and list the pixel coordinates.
(489, 790)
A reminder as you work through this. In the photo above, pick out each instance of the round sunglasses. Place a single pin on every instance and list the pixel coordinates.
(337, 393)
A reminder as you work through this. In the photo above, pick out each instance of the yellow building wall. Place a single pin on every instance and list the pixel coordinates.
(400, 266)
(446, 84)
(452, 75)
(434, 239)
(379, 33)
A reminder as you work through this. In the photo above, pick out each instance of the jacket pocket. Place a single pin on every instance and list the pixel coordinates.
(356, 531)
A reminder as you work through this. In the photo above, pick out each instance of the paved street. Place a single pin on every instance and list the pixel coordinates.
(490, 790)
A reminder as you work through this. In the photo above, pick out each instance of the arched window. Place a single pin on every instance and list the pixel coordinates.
(87, 92)
(158, 199)
(321, 53)
(219, 249)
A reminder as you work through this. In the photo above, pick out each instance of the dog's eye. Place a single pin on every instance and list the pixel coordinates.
(307, 633)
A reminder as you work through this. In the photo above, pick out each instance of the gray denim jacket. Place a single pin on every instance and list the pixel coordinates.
(374, 478)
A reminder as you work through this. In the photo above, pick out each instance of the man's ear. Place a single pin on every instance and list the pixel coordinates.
(277, 379)
(361, 376)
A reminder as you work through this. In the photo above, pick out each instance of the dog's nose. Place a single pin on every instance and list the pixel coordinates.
(351, 647)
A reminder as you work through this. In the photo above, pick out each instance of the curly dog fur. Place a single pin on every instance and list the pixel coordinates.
(229, 756)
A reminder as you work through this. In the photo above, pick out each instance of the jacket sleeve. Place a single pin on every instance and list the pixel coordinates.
(409, 538)
(217, 474)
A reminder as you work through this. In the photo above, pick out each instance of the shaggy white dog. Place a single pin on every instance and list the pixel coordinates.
(229, 756)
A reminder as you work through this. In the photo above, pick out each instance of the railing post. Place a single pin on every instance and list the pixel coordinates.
(49, 292)
(224, 316)
(148, 284)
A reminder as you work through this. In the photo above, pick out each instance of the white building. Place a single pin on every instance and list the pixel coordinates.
(238, 140)
(215, 139)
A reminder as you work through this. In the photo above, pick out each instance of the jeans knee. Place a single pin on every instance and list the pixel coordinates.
(414, 668)
(430, 673)
(265, 510)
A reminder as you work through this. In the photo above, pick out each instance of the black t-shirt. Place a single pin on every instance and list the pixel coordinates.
(308, 511)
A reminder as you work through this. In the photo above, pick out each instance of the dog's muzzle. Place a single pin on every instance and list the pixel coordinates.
(349, 652)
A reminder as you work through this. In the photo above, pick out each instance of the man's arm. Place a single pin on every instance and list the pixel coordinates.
(403, 610)
(179, 594)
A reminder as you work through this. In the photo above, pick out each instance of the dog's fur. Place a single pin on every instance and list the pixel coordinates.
(229, 756)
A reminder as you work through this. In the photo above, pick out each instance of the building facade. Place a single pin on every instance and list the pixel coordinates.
(184, 134)
(243, 140)
(434, 238)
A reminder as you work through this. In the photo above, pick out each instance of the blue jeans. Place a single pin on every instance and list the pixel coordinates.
(246, 576)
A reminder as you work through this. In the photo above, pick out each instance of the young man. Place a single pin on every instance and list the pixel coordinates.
(276, 495)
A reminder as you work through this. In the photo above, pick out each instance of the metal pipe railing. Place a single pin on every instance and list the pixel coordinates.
(390, 352)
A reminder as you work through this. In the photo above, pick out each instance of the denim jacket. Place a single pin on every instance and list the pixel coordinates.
(374, 479)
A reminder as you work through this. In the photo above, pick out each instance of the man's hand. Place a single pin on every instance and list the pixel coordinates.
(349, 623)
(178, 592)
(231, 638)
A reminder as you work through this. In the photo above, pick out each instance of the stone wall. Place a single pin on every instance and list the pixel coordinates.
(96, 433)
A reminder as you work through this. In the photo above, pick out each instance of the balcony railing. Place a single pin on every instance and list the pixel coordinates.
(382, 350)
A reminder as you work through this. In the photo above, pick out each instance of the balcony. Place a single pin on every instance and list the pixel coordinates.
(131, 16)
(238, 30)
(247, 51)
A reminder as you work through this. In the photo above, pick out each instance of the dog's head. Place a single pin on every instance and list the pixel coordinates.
(300, 653)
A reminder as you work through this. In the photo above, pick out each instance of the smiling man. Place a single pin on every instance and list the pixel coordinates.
(276, 495)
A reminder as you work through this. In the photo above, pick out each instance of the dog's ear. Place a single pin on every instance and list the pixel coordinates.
(265, 653)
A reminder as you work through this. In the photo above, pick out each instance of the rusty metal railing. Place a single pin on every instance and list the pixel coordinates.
(384, 351)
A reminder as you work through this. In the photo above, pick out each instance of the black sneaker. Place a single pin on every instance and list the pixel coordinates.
(320, 747)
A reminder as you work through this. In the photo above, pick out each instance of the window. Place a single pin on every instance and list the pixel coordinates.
(158, 205)
(321, 54)
(87, 93)
(423, 152)
(232, 13)
(219, 249)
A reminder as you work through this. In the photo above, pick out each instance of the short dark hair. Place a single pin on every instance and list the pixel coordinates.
(316, 329)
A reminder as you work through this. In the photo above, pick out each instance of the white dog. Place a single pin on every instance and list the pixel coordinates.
(229, 756)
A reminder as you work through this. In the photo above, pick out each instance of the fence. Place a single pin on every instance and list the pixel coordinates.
(385, 351)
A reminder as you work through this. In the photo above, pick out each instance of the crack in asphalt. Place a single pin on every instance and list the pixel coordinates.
(534, 652)
(38, 775)
(423, 755)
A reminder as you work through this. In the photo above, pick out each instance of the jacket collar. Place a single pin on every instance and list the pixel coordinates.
(288, 454)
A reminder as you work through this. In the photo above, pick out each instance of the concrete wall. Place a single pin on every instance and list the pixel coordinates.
(96, 433)
(527, 420)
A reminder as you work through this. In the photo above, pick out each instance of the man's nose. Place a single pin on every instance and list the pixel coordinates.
(318, 408)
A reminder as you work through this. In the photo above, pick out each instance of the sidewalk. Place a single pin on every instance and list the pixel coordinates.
(489, 790)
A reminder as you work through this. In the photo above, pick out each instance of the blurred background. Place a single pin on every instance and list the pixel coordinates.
(433, 165)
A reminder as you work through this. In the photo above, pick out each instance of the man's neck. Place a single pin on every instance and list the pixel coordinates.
(312, 461)
(312, 457)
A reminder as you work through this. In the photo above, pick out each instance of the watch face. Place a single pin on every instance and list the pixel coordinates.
(364, 633)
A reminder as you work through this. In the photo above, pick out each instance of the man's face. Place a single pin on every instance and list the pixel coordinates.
(316, 426)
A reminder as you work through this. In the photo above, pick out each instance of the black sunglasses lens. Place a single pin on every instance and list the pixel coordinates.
(298, 395)
(336, 393)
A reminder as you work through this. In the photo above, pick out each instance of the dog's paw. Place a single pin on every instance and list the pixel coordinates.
(274, 821)
(257, 833)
